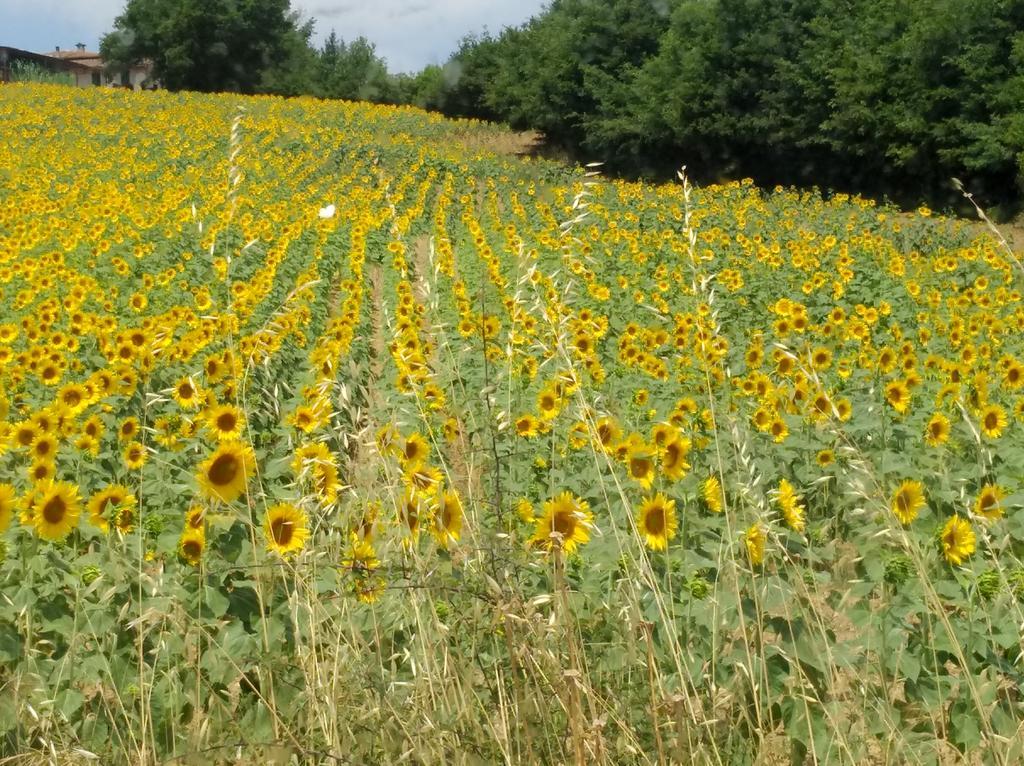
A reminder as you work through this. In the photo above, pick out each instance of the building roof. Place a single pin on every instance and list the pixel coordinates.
(75, 54)
(9, 55)
(90, 59)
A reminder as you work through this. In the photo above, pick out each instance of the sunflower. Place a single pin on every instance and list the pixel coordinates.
(755, 539)
(936, 431)
(225, 422)
(778, 429)
(714, 497)
(566, 523)
(187, 394)
(821, 358)
(411, 512)
(608, 433)
(306, 419)
(1013, 375)
(55, 509)
(128, 429)
(361, 558)
(448, 517)
(415, 450)
(388, 441)
(8, 502)
(988, 503)
(640, 462)
(317, 463)
(73, 396)
(114, 503)
(44, 448)
(367, 589)
(958, 540)
(673, 458)
(897, 394)
(825, 458)
(907, 501)
(993, 421)
(549, 403)
(657, 521)
(135, 455)
(195, 517)
(285, 528)
(526, 426)
(225, 473)
(423, 479)
(93, 427)
(191, 545)
(525, 510)
(24, 434)
(41, 471)
(791, 507)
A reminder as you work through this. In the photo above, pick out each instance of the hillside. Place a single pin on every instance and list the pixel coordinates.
(328, 434)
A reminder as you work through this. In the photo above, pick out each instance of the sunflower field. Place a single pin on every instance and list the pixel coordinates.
(330, 435)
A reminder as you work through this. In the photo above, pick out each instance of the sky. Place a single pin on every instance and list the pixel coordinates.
(408, 33)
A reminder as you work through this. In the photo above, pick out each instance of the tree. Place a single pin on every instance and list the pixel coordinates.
(353, 71)
(469, 76)
(204, 45)
(295, 72)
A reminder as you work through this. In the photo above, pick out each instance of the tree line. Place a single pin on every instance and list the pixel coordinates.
(884, 97)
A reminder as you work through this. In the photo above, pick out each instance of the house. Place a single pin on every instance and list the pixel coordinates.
(96, 73)
(11, 57)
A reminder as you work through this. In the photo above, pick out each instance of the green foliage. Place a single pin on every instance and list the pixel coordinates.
(352, 71)
(887, 97)
(25, 71)
(204, 45)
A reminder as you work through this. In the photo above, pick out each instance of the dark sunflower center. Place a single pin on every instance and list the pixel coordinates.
(639, 466)
(192, 549)
(991, 421)
(564, 522)
(655, 520)
(283, 531)
(227, 421)
(55, 510)
(223, 470)
(673, 454)
(185, 391)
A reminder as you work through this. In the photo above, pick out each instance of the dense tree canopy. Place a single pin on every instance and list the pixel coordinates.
(204, 45)
(888, 97)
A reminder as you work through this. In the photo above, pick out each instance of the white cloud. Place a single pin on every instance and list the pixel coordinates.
(413, 33)
(408, 33)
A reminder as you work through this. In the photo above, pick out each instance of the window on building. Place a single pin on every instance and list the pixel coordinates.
(126, 78)
(95, 78)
